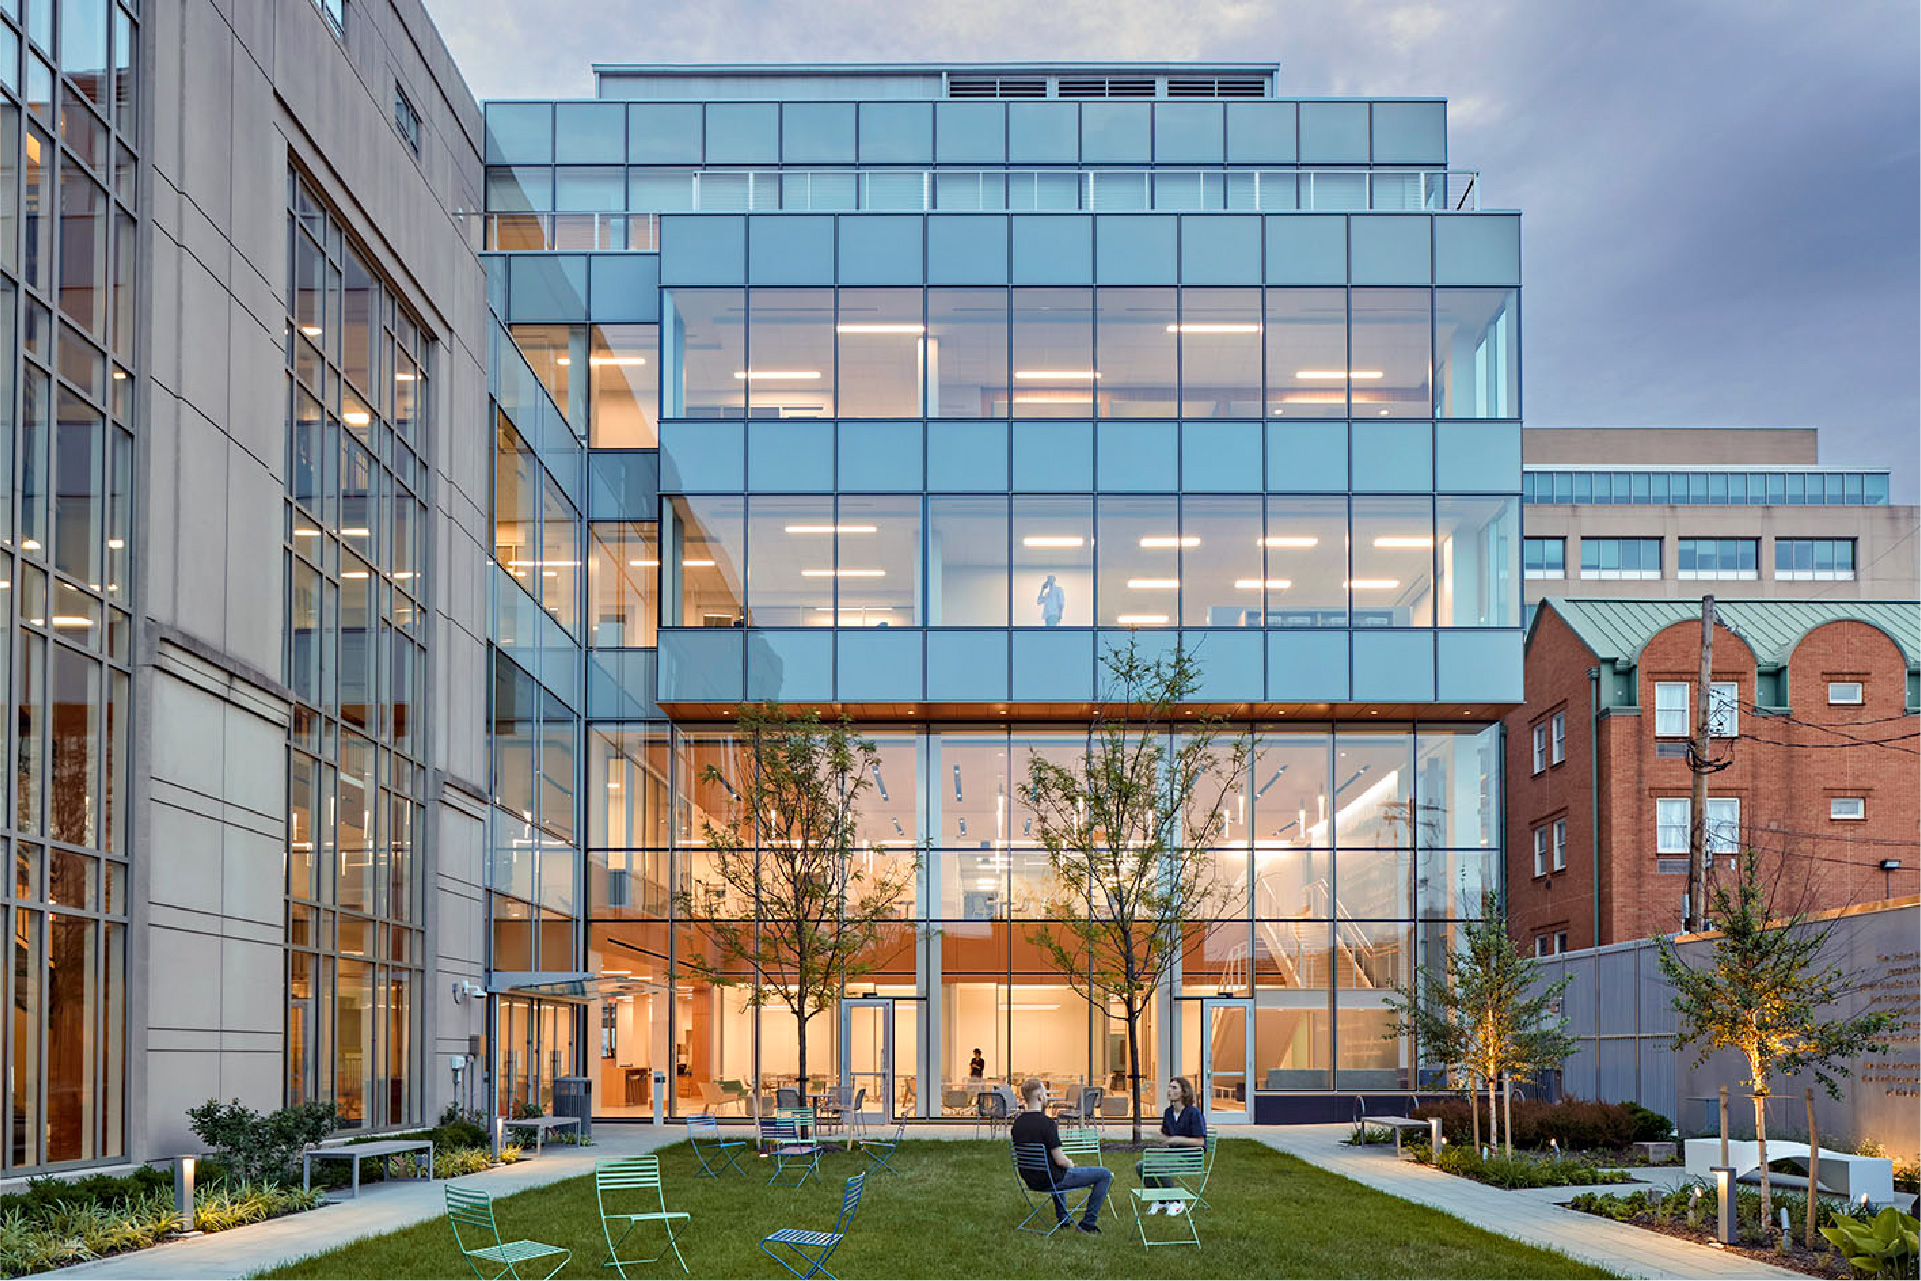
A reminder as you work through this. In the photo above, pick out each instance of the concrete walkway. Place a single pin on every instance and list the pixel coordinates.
(1537, 1216)
(381, 1207)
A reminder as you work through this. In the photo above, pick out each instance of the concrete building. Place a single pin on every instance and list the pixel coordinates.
(1639, 512)
(1818, 705)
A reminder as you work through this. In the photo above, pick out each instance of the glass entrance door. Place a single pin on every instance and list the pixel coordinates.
(867, 1055)
(1227, 1060)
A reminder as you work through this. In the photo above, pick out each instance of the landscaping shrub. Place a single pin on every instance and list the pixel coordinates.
(96, 1189)
(1518, 1171)
(451, 1163)
(1888, 1245)
(1365, 1134)
(231, 1205)
(1692, 1204)
(1576, 1124)
(259, 1148)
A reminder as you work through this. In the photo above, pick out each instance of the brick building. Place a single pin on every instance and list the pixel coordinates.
(1817, 706)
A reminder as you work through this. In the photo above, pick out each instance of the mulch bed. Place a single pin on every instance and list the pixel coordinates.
(1819, 1263)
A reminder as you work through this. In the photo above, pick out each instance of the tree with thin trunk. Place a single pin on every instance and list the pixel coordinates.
(792, 902)
(1129, 829)
(1485, 1014)
(1766, 991)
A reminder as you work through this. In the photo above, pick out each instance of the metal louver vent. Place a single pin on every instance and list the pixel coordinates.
(1106, 87)
(997, 87)
(1216, 87)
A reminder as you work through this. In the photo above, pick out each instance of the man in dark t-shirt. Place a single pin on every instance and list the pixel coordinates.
(1034, 1126)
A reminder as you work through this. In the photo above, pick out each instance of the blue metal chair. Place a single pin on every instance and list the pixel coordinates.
(617, 1179)
(881, 1150)
(1036, 1175)
(715, 1154)
(815, 1248)
(473, 1209)
(780, 1139)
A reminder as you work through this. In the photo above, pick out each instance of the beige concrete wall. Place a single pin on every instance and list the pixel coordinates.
(1669, 446)
(236, 91)
(1886, 548)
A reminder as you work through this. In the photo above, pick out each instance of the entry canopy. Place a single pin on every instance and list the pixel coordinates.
(564, 985)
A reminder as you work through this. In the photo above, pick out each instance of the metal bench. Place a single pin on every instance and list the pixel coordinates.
(1396, 1124)
(540, 1125)
(358, 1152)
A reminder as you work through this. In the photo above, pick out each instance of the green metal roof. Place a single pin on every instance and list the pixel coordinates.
(1618, 629)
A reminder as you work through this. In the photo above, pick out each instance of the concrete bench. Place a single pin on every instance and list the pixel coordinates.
(1846, 1173)
(540, 1125)
(1657, 1153)
(1396, 1124)
(422, 1150)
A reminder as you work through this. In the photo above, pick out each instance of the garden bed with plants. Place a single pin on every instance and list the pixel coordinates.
(1881, 1247)
(1572, 1143)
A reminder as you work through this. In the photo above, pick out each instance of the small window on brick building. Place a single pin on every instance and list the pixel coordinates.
(1671, 709)
(1544, 945)
(1557, 732)
(1540, 851)
(1671, 825)
(1540, 748)
(1560, 940)
(1844, 693)
(1560, 845)
(1847, 807)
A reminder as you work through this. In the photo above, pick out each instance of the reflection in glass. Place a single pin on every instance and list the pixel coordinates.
(1053, 353)
(1476, 371)
(883, 344)
(712, 539)
(1139, 559)
(703, 348)
(967, 562)
(1390, 353)
(790, 562)
(1476, 558)
(1137, 341)
(966, 353)
(1307, 365)
(1393, 562)
(1053, 556)
(622, 569)
(623, 375)
(1222, 583)
(790, 341)
(878, 567)
(1306, 546)
(1220, 332)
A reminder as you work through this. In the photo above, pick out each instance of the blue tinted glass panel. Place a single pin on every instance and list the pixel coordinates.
(970, 132)
(967, 666)
(590, 189)
(1306, 250)
(880, 456)
(879, 664)
(1137, 456)
(1390, 250)
(1389, 349)
(743, 133)
(1232, 669)
(548, 288)
(896, 132)
(817, 133)
(1188, 133)
(1260, 132)
(1053, 353)
(964, 250)
(1334, 133)
(1053, 457)
(792, 665)
(1393, 667)
(664, 133)
(1479, 457)
(1410, 133)
(790, 249)
(791, 454)
(1116, 133)
(697, 456)
(1482, 250)
(1479, 667)
(1043, 133)
(880, 250)
(1056, 666)
(965, 456)
(1477, 366)
(1220, 457)
(1306, 667)
(709, 249)
(1307, 457)
(519, 133)
(590, 133)
(1221, 250)
(1134, 249)
(1393, 456)
(1053, 250)
(624, 287)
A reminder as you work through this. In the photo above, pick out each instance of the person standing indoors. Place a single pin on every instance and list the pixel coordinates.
(977, 1066)
(1033, 1125)
(1182, 1126)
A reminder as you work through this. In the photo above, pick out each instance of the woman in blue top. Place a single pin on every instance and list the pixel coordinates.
(1183, 1127)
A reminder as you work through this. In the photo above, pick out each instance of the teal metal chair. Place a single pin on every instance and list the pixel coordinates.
(473, 1210)
(881, 1150)
(1082, 1143)
(626, 1182)
(1036, 1175)
(780, 1139)
(1199, 1187)
(815, 1248)
(1175, 1168)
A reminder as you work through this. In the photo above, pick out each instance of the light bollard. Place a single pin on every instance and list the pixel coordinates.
(1434, 1135)
(183, 1193)
(1724, 1196)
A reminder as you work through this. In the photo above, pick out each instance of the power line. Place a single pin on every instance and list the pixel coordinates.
(1777, 713)
(1888, 743)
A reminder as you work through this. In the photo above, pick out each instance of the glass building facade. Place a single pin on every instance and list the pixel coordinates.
(911, 409)
(68, 219)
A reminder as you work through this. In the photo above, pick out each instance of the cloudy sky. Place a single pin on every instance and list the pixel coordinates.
(1720, 195)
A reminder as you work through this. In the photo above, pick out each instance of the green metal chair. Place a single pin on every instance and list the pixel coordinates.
(628, 1180)
(881, 1150)
(1199, 1188)
(1083, 1144)
(473, 1210)
(815, 1248)
(715, 1154)
(1177, 1167)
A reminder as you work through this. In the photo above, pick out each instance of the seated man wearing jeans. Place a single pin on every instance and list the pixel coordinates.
(1035, 1126)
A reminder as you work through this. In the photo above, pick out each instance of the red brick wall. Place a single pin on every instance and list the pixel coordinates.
(1783, 773)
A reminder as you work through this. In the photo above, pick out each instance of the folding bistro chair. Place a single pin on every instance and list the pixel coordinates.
(881, 1150)
(780, 1139)
(1178, 1167)
(1032, 1166)
(990, 1110)
(472, 1209)
(1199, 1187)
(715, 1154)
(856, 1122)
(627, 1180)
(815, 1248)
(1083, 1144)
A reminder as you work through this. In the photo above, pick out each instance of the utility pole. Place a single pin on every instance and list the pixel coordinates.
(1698, 766)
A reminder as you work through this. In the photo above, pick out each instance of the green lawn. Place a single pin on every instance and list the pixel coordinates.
(951, 1212)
